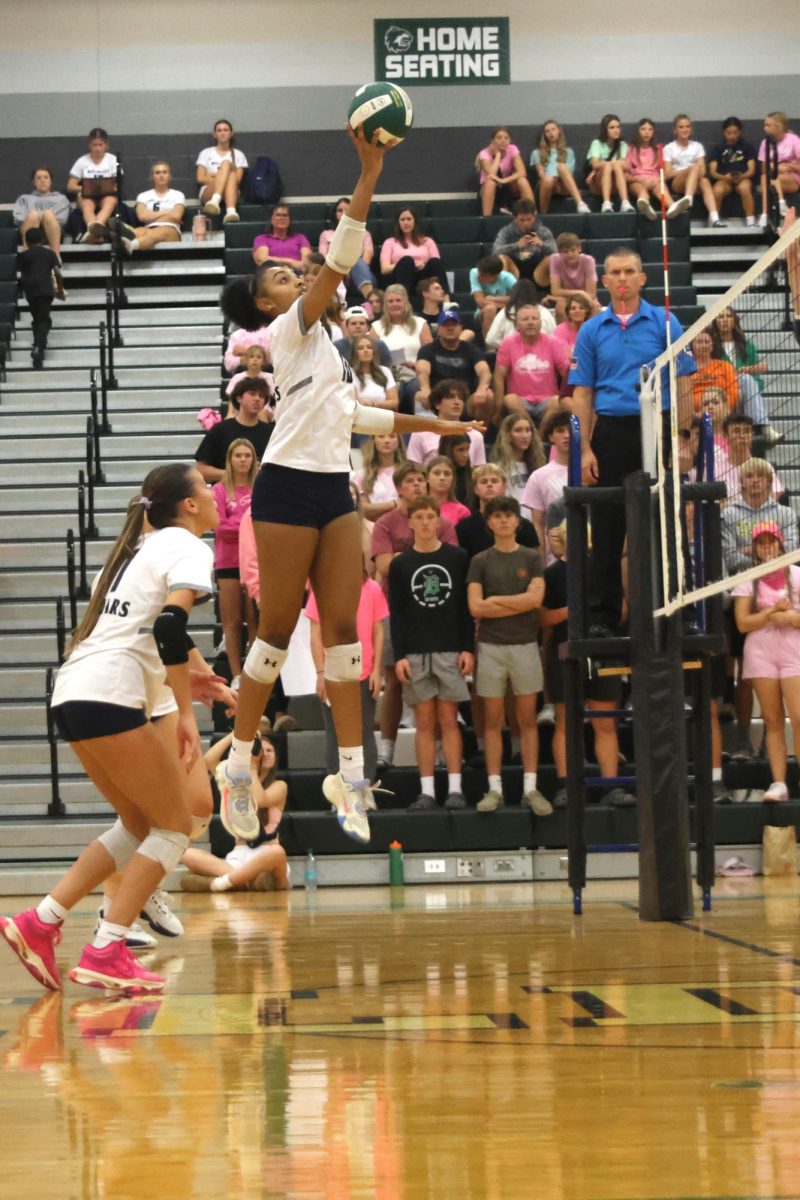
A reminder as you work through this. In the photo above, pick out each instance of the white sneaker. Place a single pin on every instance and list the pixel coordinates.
(136, 938)
(583, 207)
(783, 207)
(750, 222)
(606, 206)
(679, 206)
(212, 208)
(646, 209)
(776, 793)
(547, 716)
(231, 216)
(626, 207)
(349, 800)
(160, 917)
(763, 221)
(236, 808)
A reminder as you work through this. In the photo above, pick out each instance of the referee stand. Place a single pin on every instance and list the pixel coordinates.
(656, 652)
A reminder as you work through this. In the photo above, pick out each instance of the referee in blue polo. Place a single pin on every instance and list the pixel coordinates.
(610, 351)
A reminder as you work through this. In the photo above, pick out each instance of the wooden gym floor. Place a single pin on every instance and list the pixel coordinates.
(473, 1043)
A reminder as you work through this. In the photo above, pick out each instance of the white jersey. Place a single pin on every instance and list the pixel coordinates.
(212, 160)
(682, 157)
(157, 203)
(86, 168)
(119, 662)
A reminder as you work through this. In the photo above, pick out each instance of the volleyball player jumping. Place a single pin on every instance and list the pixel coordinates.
(303, 514)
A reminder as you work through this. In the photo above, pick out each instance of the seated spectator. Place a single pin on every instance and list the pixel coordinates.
(356, 323)
(240, 342)
(569, 270)
(248, 398)
(260, 868)
(370, 625)
(491, 286)
(644, 174)
(42, 209)
(376, 303)
(409, 256)
(685, 168)
(392, 535)
(732, 169)
(361, 276)
(778, 133)
(518, 450)
(712, 372)
(529, 367)
(433, 639)
(280, 245)
(546, 484)
(448, 357)
(403, 334)
(96, 200)
(505, 589)
(473, 533)
(219, 174)
(381, 455)
(312, 265)
(731, 345)
(501, 169)
(232, 497)
(457, 448)
(755, 504)
(554, 164)
(38, 267)
(605, 165)
(524, 243)
(159, 211)
(448, 400)
(577, 309)
(441, 478)
(374, 384)
(737, 428)
(254, 361)
(524, 292)
(431, 300)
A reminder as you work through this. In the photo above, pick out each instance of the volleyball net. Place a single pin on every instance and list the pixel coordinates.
(747, 378)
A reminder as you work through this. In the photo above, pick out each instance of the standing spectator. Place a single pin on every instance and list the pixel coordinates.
(232, 497)
(523, 292)
(248, 398)
(778, 133)
(360, 276)
(448, 401)
(554, 164)
(370, 622)
(441, 478)
(357, 322)
(447, 357)
(159, 211)
(609, 354)
(409, 256)
(505, 588)
(42, 208)
(381, 455)
(374, 384)
(500, 168)
(529, 367)
(732, 169)
(37, 267)
(490, 286)
(570, 270)
(457, 448)
(644, 174)
(685, 168)
(524, 243)
(518, 450)
(220, 170)
(93, 183)
(280, 245)
(474, 533)
(755, 505)
(433, 639)
(605, 165)
(403, 334)
(546, 484)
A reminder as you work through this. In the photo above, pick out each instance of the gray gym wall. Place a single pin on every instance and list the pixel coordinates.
(157, 76)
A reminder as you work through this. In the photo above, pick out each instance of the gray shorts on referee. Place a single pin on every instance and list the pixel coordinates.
(498, 666)
(435, 676)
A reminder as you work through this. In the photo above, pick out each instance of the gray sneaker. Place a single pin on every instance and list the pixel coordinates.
(720, 793)
(538, 803)
(490, 802)
(455, 801)
(423, 803)
(560, 798)
(619, 798)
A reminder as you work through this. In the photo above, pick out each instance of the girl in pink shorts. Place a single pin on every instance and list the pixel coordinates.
(767, 611)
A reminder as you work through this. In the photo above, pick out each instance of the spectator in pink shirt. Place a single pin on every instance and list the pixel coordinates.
(569, 270)
(238, 344)
(546, 485)
(577, 309)
(360, 275)
(644, 174)
(448, 400)
(776, 128)
(500, 167)
(441, 476)
(410, 256)
(529, 367)
(280, 245)
(232, 498)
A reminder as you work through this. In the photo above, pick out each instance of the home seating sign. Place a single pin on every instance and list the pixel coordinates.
(442, 51)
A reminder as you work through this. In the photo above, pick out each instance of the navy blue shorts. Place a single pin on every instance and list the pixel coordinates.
(79, 720)
(288, 496)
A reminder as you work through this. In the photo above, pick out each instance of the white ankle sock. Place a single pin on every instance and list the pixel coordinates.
(454, 782)
(529, 781)
(351, 763)
(495, 784)
(716, 774)
(229, 210)
(216, 198)
(387, 750)
(426, 785)
(239, 758)
(50, 911)
(221, 883)
(108, 933)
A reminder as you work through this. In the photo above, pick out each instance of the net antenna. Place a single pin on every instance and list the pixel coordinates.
(757, 300)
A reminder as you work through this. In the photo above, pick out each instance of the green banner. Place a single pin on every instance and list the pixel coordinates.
(442, 51)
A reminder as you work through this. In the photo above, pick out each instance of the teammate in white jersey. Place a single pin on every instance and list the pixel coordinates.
(159, 212)
(131, 642)
(303, 513)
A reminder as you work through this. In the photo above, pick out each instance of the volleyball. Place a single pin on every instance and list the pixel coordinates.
(381, 107)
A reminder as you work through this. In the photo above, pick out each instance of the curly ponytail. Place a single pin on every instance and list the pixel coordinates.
(238, 299)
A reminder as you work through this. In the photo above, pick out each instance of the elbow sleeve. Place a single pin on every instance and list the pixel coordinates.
(172, 640)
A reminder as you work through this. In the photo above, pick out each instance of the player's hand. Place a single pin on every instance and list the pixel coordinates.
(321, 689)
(371, 153)
(466, 663)
(189, 747)
(588, 467)
(402, 670)
(208, 688)
(375, 683)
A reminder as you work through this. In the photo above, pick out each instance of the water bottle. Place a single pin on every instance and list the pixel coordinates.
(310, 877)
(395, 864)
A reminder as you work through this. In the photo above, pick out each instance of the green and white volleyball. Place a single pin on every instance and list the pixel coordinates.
(381, 107)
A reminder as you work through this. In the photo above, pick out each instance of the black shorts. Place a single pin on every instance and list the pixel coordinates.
(226, 572)
(599, 687)
(79, 720)
(288, 496)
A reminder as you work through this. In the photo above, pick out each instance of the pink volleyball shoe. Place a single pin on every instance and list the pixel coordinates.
(34, 942)
(114, 968)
